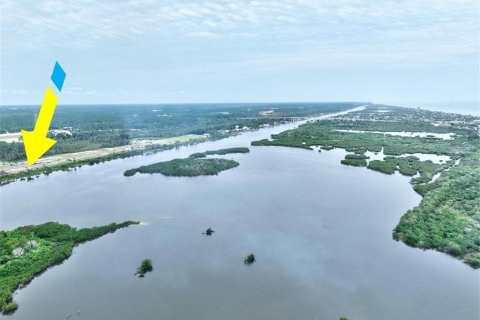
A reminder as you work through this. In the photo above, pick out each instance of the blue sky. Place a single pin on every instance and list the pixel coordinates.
(242, 51)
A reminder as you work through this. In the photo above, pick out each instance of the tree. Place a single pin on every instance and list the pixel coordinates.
(145, 266)
(249, 259)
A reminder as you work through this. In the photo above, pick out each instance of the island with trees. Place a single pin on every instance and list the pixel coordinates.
(249, 259)
(209, 232)
(193, 166)
(145, 266)
(28, 251)
(355, 160)
(188, 167)
(219, 152)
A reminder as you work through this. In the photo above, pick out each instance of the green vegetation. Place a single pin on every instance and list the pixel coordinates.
(71, 165)
(189, 167)
(355, 160)
(145, 266)
(408, 166)
(448, 217)
(324, 133)
(67, 143)
(100, 126)
(249, 259)
(163, 120)
(10, 308)
(209, 232)
(82, 128)
(282, 143)
(395, 126)
(28, 251)
(219, 152)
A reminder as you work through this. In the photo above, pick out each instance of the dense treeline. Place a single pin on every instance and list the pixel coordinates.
(219, 152)
(56, 232)
(94, 127)
(28, 251)
(448, 217)
(162, 120)
(320, 134)
(420, 116)
(189, 167)
(66, 143)
(408, 166)
(393, 126)
(11, 151)
(293, 143)
(355, 160)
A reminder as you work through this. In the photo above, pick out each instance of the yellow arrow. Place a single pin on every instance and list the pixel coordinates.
(36, 141)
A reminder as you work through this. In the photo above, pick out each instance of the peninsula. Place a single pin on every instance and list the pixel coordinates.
(448, 217)
(28, 251)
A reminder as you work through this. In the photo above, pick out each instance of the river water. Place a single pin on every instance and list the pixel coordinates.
(321, 233)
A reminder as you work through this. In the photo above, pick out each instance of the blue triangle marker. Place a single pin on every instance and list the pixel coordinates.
(58, 76)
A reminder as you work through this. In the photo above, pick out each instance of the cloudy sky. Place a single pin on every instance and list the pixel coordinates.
(387, 51)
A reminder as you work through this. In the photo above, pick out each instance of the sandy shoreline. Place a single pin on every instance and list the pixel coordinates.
(135, 145)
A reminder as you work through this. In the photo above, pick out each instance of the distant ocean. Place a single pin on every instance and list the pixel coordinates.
(471, 108)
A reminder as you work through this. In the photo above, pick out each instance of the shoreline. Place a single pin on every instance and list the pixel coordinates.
(15, 171)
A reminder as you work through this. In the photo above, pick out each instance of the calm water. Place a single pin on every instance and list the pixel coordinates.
(321, 233)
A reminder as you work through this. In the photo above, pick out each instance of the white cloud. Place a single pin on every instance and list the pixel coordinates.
(202, 34)
(34, 23)
(302, 32)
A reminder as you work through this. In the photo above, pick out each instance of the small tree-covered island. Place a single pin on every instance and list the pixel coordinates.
(249, 259)
(195, 165)
(209, 232)
(145, 266)
(28, 251)
(186, 167)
